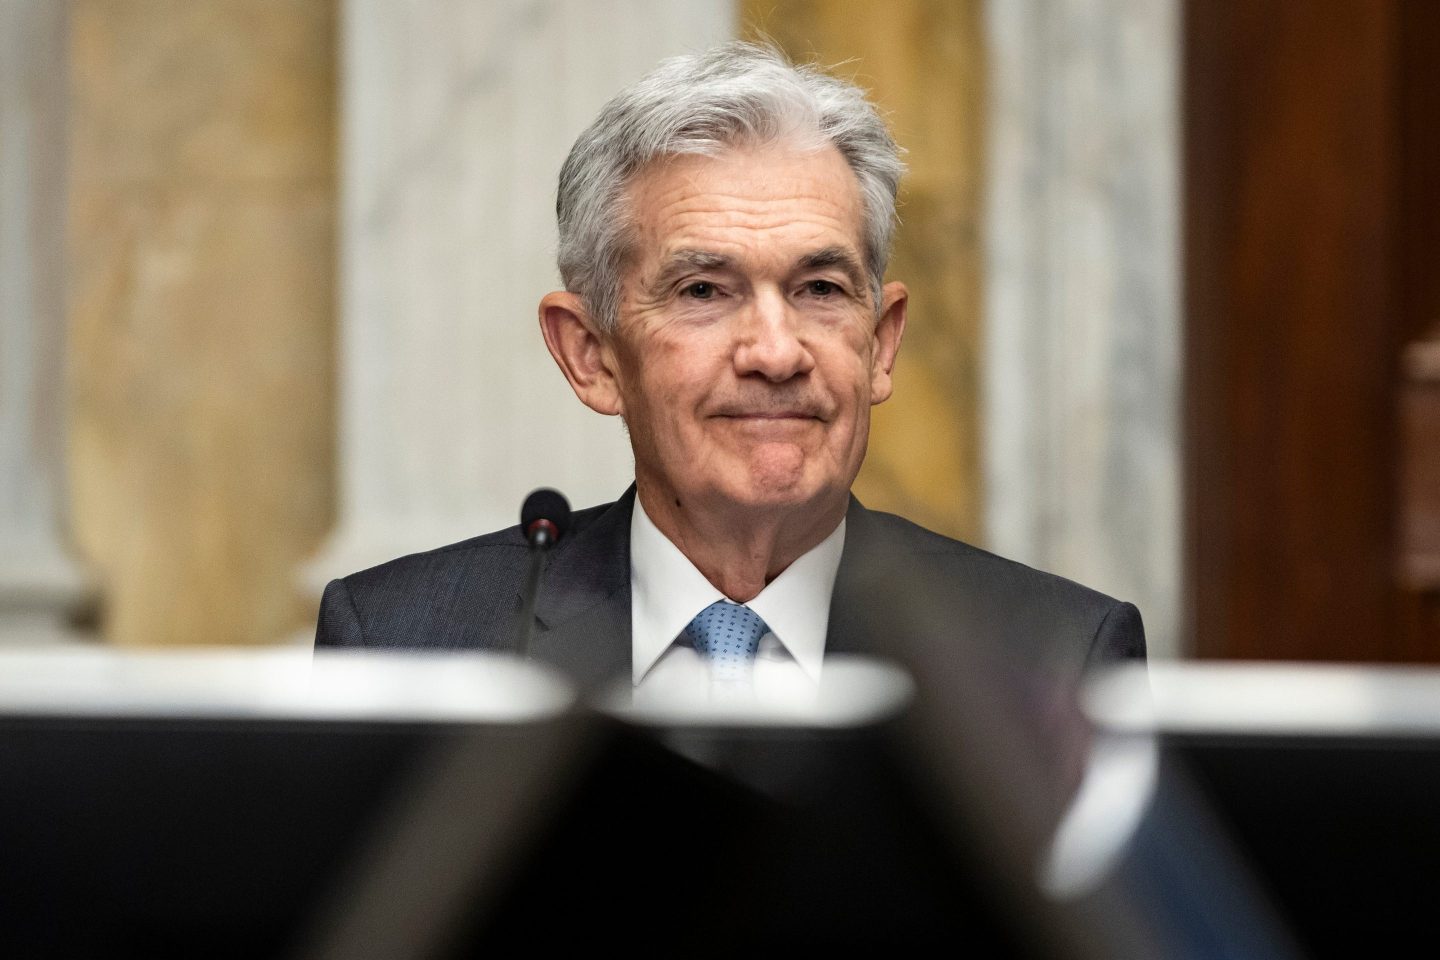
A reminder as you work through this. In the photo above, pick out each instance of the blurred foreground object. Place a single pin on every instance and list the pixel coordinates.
(223, 803)
(1325, 777)
(254, 804)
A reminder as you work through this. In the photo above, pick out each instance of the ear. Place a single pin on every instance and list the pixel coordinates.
(889, 329)
(582, 351)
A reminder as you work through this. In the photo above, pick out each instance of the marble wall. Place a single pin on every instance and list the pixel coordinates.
(923, 62)
(1082, 318)
(214, 413)
(201, 278)
(456, 118)
(41, 586)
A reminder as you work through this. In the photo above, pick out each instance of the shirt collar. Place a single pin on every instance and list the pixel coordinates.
(667, 592)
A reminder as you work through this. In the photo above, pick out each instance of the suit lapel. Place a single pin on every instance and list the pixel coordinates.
(851, 627)
(583, 614)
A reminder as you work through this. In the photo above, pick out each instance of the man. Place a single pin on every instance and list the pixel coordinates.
(724, 230)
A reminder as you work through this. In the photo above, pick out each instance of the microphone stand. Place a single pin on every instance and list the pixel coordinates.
(544, 518)
(542, 535)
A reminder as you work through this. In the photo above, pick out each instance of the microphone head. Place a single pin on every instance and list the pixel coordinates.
(545, 505)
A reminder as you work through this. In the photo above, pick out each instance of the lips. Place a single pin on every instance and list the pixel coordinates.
(761, 425)
(792, 409)
(772, 422)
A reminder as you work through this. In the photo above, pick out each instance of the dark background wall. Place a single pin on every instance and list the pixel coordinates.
(1312, 235)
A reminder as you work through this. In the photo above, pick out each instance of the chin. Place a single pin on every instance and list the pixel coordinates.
(771, 498)
(771, 489)
(776, 476)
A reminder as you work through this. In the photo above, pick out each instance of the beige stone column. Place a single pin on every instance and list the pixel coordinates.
(201, 310)
(41, 586)
(923, 62)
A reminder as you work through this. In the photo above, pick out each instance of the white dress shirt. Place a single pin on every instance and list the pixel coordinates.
(666, 592)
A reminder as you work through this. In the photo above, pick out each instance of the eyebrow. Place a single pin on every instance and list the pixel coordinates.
(835, 257)
(683, 261)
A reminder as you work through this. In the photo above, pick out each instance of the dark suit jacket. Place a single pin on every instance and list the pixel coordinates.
(900, 589)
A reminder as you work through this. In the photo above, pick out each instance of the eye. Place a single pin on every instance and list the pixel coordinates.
(822, 288)
(699, 290)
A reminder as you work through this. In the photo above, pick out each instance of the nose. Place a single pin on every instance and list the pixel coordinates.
(768, 341)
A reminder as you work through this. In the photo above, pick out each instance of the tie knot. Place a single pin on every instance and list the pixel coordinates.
(727, 634)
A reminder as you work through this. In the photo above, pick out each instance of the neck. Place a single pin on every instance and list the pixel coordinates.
(738, 548)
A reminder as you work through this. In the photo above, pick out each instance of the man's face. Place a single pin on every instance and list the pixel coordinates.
(748, 352)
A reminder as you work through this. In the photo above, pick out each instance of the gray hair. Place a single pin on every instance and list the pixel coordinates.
(734, 94)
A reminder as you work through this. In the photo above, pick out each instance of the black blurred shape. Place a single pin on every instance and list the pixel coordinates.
(1341, 830)
(164, 838)
(156, 838)
(781, 838)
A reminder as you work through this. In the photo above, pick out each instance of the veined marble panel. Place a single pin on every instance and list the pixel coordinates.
(456, 118)
(1083, 316)
(40, 584)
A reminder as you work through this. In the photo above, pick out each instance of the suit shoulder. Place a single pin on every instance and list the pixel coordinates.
(488, 548)
(463, 595)
(500, 541)
(1002, 597)
(952, 557)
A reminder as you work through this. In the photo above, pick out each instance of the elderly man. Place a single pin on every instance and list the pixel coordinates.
(724, 230)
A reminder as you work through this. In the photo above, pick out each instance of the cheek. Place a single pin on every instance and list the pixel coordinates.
(678, 376)
(850, 375)
(665, 395)
(851, 389)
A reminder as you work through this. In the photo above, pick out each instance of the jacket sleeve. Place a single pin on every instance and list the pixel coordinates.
(339, 623)
(1120, 636)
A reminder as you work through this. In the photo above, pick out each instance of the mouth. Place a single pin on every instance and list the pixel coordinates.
(771, 421)
(771, 424)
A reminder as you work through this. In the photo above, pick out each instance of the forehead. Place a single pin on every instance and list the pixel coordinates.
(749, 201)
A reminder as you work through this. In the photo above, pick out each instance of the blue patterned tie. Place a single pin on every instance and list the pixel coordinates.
(728, 635)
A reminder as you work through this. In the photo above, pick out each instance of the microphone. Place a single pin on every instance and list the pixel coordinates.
(544, 519)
